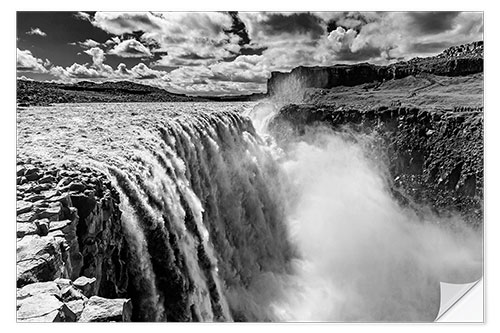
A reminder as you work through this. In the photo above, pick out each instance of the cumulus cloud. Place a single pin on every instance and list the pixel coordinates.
(246, 68)
(28, 63)
(100, 71)
(142, 72)
(83, 72)
(223, 53)
(36, 31)
(180, 34)
(337, 37)
(131, 48)
(97, 55)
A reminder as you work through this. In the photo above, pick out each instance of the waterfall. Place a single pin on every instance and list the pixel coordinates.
(204, 219)
(361, 256)
(224, 223)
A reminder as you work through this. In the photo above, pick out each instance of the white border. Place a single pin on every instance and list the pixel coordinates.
(492, 167)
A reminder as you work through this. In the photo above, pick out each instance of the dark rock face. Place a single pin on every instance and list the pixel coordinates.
(458, 60)
(434, 157)
(66, 234)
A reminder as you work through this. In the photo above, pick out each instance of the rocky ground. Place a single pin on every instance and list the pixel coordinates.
(71, 252)
(424, 91)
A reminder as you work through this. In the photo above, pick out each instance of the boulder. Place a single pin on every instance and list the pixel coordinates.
(23, 207)
(52, 213)
(59, 225)
(76, 306)
(100, 309)
(38, 288)
(44, 308)
(71, 293)
(39, 259)
(39, 302)
(21, 169)
(31, 170)
(77, 187)
(33, 176)
(42, 227)
(61, 282)
(47, 179)
(26, 217)
(86, 285)
(24, 229)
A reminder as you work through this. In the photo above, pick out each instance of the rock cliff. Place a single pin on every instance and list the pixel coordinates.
(435, 157)
(70, 246)
(455, 61)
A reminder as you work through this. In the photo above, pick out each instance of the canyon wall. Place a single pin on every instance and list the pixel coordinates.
(455, 61)
(434, 157)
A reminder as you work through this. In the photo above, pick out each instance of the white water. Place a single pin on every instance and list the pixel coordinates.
(360, 256)
(363, 257)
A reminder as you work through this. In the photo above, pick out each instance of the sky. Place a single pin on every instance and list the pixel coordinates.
(224, 53)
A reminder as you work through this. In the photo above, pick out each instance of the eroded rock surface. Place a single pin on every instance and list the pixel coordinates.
(68, 229)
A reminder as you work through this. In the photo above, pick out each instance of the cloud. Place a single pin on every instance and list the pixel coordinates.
(249, 68)
(82, 16)
(101, 71)
(356, 36)
(82, 72)
(142, 72)
(97, 55)
(36, 31)
(22, 77)
(221, 53)
(432, 22)
(28, 63)
(112, 41)
(120, 23)
(131, 48)
(88, 43)
(121, 69)
(179, 34)
(278, 24)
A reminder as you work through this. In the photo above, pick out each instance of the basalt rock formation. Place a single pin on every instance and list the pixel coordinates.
(199, 228)
(70, 245)
(455, 61)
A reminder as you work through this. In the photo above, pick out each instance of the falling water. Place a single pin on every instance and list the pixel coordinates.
(224, 224)
(206, 199)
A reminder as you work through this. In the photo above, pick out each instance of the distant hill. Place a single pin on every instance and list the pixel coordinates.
(46, 93)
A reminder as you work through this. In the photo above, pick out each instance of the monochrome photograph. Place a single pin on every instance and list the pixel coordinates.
(237, 166)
